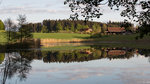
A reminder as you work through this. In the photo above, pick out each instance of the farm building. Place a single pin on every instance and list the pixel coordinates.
(116, 52)
(116, 30)
(86, 30)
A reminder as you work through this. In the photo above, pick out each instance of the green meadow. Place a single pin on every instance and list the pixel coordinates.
(79, 36)
(60, 36)
(87, 36)
(131, 37)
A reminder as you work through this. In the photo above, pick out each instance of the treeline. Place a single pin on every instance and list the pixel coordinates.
(48, 26)
(80, 55)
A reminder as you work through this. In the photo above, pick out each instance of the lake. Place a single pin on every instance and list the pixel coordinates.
(90, 64)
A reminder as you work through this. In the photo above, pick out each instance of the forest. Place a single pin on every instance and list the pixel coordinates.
(48, 26)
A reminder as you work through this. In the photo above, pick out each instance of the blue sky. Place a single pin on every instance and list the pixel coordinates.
(38, 10)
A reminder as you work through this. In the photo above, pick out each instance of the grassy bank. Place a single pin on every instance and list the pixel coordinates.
(121, 38)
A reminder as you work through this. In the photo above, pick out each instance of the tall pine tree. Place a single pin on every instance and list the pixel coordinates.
(58, 26)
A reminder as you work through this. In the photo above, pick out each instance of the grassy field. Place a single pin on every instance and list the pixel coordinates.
(122, 38)
(60, 36)
(86, 36)
(70, 36)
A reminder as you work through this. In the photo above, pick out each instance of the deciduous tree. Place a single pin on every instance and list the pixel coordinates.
(2, 27)
(44, 29)
(9, 26)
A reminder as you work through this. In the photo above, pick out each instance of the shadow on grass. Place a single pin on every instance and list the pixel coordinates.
(26, 45)
(79, 37)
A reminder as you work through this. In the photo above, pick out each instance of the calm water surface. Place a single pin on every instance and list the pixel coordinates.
(94, 65)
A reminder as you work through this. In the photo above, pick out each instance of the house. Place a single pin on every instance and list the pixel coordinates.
(86, 30)
(116, 52)
(86, 52)
(116, 30)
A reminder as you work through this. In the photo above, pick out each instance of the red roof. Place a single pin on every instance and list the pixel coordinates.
(116, 29)
(116, 52)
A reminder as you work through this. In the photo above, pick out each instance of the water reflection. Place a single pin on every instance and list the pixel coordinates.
(18, 63)
(81, 55)
(14, 64)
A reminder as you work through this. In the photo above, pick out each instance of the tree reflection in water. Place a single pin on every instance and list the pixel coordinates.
(14, 64)
(18, 63)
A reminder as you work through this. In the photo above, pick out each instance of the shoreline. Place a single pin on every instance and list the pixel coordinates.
(77, 42)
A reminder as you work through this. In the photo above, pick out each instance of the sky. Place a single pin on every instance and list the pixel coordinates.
(39, 10)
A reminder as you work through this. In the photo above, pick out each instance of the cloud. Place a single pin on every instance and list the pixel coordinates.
(16, 10)
(75, 72)
(82, 75)
(31, 8)
(135, 75)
